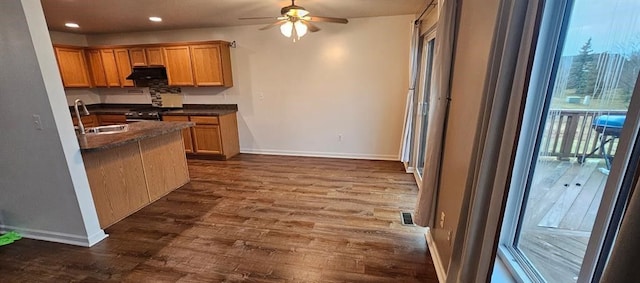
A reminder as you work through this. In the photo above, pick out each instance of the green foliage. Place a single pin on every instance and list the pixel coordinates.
(583, 72)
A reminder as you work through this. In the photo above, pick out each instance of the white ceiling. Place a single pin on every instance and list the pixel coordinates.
(112, 16)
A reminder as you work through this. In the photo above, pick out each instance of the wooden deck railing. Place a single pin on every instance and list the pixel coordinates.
(569, 133)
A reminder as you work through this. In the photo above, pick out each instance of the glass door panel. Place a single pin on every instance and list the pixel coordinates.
(582, 121)
(423, 112)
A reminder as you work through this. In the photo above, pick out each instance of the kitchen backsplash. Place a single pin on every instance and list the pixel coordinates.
(142, 95)
(163, 95)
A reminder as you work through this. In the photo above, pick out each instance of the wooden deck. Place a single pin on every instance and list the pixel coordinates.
(562, 207)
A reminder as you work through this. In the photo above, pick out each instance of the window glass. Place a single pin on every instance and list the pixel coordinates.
(594, 81)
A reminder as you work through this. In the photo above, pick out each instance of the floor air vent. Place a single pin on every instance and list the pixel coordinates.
(407, 218)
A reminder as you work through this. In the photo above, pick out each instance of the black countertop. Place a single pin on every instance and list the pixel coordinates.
(188, 109)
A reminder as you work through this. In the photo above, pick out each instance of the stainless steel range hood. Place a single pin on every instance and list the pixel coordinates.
(148, 73)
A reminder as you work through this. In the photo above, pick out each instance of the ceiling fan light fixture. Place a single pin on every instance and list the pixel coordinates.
(287, 29)
(301, 28)
(297, 13)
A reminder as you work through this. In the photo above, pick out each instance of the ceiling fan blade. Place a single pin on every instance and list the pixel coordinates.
(326, 19)
(310, 26)
(260, 18)
(272, 25)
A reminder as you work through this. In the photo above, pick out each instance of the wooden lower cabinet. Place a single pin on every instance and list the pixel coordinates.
(215, 136)
(109, 119)
(207, 139)
(87, 121)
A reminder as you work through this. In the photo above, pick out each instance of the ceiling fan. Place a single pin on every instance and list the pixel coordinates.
(296, 21)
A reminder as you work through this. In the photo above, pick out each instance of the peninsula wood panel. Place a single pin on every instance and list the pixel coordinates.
(165, 164)
(110, 67)
(72, 66)
(117, 181)
(96, 68)
(124, 66)
(138, 57)
(154, 56)
(207, 65)
(178, 63)
(186, 133)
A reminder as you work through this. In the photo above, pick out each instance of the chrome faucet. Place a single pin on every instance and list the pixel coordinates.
(86, 112)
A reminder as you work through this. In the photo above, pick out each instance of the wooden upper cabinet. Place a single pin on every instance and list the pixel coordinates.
(207, 70)
(72, 66)
(110, 67)
(211, 65)
(154, 56)
(177, 60)
(96, 68)
(190, 64)
(138, 57)
(124, 66)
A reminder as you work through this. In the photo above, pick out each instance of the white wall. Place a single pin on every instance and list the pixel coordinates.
(477, 24)
(297, 98)
(44, 189)
(68, 38)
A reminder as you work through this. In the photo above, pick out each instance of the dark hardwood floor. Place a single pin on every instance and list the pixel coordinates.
(253, 218)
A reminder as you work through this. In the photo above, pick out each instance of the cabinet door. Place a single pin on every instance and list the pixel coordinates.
(96, 68)
(207, 65)
(138, 57)
(110, 67)
(73, 68)
(178, 63)
(111, 119)
(206, 139)
(186, 133)
(124, 66)
(154, 56)
(87, 121)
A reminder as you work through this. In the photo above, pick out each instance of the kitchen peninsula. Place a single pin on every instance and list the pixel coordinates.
(131, 169)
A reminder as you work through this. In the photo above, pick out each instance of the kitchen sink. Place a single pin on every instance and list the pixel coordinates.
(110, 129)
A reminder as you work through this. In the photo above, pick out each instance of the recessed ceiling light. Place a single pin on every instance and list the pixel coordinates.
(71, 25)
(155, 19)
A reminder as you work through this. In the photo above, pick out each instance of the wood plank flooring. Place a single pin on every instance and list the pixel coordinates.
(253, 218)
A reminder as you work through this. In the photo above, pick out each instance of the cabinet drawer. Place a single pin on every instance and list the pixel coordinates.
(175, 118)
(207, 120)
(111, 119)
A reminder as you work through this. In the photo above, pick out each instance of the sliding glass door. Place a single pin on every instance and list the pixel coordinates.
(583, 79)
(422, 109)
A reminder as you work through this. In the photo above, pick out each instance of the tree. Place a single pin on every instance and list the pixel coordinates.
(583, 72)
(630, 74)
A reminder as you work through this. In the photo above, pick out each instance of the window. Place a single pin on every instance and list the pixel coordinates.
(581, 86)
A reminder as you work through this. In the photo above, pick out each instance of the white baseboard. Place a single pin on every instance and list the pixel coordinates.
(321, 154)
(407, 168)
(57, 237)
(441, 272)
